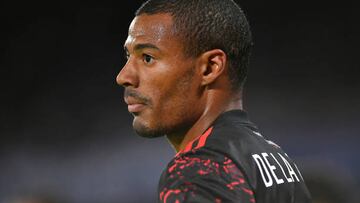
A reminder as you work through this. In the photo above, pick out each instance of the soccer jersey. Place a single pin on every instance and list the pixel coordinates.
(232, 162)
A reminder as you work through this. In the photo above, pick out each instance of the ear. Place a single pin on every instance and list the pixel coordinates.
(212, 65)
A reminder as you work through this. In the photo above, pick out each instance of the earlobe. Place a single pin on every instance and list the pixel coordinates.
(213, 64)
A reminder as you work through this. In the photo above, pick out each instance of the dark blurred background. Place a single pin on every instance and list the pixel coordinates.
(65, 133)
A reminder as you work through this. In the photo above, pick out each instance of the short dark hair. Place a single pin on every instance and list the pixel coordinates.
(204, 25)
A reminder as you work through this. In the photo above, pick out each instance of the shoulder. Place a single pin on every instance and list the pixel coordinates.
(203, 176)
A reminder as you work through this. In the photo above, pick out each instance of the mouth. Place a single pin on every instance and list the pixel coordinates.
(134, 106)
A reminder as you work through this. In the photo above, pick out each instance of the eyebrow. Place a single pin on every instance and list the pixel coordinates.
(139, 47)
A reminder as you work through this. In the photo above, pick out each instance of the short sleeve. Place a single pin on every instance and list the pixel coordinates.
(200, 177)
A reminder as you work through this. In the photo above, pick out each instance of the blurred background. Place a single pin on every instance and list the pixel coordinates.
(65, 133)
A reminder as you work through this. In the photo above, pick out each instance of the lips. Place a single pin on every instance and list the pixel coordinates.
(134, 106)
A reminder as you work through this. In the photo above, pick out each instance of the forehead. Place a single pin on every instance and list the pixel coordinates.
(155, 29)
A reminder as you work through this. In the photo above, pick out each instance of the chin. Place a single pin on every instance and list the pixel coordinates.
(144, 130)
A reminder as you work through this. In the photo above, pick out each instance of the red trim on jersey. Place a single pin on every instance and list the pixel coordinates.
(189, 146)
(202, 140)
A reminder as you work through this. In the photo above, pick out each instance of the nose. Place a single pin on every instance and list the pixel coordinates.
(127, 76)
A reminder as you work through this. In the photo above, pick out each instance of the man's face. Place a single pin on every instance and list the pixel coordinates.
(161, 84)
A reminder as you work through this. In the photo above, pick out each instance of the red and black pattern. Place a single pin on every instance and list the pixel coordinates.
(201, 179)
(232, 162)
(197, 143)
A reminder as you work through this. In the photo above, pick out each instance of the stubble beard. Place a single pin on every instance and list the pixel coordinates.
(181, 125)
(147, 132)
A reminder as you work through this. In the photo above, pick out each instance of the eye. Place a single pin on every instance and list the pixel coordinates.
(148, 59)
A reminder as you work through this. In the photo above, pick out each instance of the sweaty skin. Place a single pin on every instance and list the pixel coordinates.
(167, 92)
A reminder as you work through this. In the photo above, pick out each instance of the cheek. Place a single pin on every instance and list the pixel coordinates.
(173, 93)
(177, 100)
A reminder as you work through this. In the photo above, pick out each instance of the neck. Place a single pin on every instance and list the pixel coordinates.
(216, 103)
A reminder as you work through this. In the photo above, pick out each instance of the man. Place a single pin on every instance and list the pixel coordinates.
(186, 65)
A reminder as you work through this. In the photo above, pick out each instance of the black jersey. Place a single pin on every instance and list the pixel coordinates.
(232, 162)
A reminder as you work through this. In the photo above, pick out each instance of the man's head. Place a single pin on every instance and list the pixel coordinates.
(178, 51)
(204, 25)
